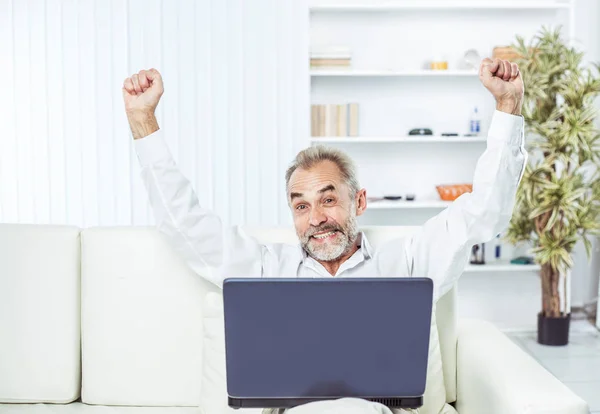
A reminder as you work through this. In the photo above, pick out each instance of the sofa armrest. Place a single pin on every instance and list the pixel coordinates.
(495, 376)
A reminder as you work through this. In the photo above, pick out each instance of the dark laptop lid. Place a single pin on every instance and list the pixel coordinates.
(326, 338)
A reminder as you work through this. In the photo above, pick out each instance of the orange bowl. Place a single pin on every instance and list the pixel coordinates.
(451, 192)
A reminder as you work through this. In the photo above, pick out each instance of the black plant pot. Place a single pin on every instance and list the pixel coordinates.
(553, 331)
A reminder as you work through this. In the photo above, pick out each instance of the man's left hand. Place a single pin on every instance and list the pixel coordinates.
(503, 79)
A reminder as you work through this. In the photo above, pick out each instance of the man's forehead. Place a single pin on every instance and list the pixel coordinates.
(315, 179)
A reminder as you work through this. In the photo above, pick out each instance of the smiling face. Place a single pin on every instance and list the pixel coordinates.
(324, 212)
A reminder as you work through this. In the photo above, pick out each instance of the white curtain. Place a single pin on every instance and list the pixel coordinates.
(235, 108)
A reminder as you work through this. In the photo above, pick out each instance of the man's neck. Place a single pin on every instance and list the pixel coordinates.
(333, 266)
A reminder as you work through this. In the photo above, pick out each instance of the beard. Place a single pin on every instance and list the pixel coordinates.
(336, 245)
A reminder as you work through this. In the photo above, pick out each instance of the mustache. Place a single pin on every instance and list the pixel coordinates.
(312, 232)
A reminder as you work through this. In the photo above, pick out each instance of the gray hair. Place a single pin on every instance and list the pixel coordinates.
(311, 156)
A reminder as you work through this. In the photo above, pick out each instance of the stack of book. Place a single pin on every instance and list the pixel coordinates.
(334, 120)
(330, 57)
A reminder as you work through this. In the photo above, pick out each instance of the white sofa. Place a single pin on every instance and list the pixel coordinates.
(109, 320)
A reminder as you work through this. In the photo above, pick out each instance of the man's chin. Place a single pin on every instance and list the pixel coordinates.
(323, 256)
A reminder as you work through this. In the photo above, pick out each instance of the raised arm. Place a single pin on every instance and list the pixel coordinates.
(196, 233)
(440, 250)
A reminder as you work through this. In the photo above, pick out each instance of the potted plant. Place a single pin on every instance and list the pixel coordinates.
(558, 201)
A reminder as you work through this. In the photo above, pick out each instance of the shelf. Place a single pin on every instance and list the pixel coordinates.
(390, 204)
(398, 139)
(442, 5)
(394, 73)
(502, 266)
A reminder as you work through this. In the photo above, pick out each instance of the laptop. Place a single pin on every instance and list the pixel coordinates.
(294, 341)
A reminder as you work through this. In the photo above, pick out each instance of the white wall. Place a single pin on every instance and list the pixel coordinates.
(235, 107)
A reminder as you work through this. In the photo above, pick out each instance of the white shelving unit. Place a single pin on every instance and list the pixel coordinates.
(390, 42)
(400, 204)
(426, 139)
(386, 73)
(502, 267)
(386, 6)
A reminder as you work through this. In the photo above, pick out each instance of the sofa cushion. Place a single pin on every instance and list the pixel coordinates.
(39, 313)
(141, 320)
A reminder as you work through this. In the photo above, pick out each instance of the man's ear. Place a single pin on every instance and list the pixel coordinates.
(361, 201)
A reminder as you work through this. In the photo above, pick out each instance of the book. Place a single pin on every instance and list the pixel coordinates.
(353, 120)
(322, 117)
(313, 120)
(342, 126)
(331, 120)
(329, 62)
(334, 120)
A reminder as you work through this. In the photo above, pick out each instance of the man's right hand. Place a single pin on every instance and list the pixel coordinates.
(141, 93)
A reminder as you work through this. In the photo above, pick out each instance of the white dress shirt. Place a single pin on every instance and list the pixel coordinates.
(439, 250)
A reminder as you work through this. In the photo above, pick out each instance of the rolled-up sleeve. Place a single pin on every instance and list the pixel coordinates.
(196, 233)
(440, 249)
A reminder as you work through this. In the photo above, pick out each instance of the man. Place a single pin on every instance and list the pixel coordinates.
(325, 199)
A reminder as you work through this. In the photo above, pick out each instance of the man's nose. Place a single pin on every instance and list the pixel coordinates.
(317, 217)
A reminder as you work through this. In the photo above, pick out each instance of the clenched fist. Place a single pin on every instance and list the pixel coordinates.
(503, 79)
(141, 93)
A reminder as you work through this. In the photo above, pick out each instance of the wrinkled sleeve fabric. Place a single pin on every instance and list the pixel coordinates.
(440, 249)
(196, 233)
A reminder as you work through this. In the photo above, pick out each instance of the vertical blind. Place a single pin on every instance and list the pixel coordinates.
(235, 107)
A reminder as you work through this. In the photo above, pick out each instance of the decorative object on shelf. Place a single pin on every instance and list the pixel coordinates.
(470, 60)
(451, 192)
(439, 63)
(323, 57)
(474, 123)
(505, 53)
(449, 134)
(410, 197)
(509, 53)
(337, 120)
(420, 131)
(498, 248)
(374, 199)
(392, 197)
(478, 254)
(558, 200)
(522, 260)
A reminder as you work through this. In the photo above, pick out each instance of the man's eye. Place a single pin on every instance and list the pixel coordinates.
(300, 207)
(329, 200)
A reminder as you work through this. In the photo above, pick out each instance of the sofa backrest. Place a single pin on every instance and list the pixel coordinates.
(141, 320)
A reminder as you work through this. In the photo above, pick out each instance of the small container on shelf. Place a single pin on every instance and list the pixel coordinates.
(478, 254)
(451, 192)
(438, 63)
(474, 123)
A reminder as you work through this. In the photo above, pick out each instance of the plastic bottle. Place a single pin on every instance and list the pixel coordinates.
(498, 254)
(474, 123)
